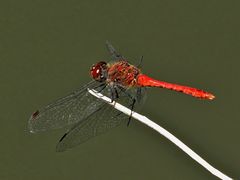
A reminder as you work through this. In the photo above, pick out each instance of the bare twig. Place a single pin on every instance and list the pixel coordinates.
(162, 131)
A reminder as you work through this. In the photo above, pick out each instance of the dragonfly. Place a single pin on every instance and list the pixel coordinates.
(86, 116)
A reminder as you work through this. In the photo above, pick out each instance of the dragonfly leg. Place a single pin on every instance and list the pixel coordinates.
(132, 107)
(122, 112)
(103, 87)
(114, 94)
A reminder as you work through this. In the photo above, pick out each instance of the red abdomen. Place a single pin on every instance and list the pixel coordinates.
(143, 80)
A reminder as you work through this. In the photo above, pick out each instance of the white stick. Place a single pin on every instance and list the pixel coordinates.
(162, 131)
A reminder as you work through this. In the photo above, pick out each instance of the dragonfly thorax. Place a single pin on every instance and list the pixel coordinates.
(123, 74)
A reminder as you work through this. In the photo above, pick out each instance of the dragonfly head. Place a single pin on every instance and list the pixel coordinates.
(99, 71)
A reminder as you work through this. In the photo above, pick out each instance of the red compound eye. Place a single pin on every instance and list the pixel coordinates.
(98, 71)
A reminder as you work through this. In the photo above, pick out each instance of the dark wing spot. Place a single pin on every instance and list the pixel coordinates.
(35, 114)
(63, 137)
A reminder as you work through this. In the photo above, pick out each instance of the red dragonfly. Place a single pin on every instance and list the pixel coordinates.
(90, 116)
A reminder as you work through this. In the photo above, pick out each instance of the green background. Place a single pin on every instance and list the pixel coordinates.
(47, 48)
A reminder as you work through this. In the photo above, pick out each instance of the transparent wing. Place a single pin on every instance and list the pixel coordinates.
(114, 54)
(66, 111)
(90, 116)
(103, 119)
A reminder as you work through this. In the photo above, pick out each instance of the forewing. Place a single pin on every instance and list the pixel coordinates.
(65, 111)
